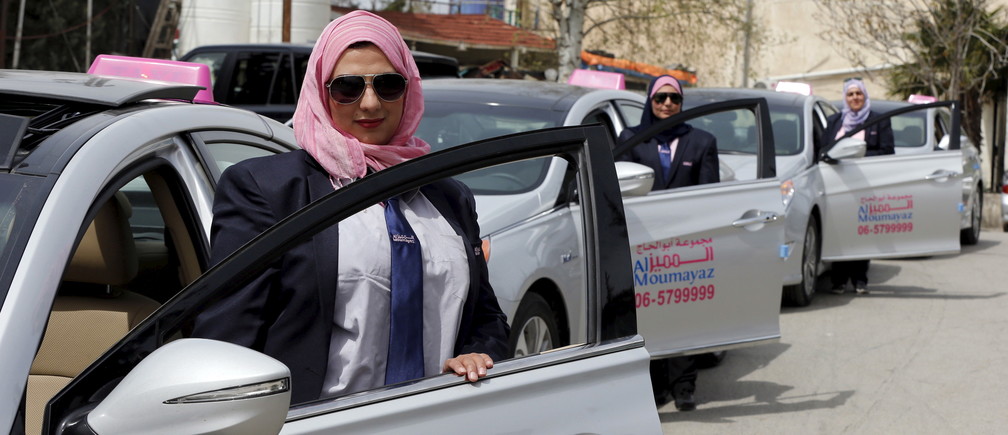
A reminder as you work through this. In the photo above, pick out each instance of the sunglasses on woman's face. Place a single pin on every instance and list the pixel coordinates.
(660, 97)
(348, 88)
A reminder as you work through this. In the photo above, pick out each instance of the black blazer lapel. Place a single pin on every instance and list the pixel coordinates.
(677, 158)
(326, 245)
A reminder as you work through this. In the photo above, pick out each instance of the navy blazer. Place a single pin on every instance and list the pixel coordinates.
(879, 137)
(695, 160)
(287, 311)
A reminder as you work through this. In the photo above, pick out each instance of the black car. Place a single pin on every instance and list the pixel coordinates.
(266, 78)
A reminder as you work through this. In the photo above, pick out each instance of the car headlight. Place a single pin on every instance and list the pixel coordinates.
(787, 192)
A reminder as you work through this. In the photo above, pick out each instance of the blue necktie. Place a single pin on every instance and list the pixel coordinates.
(405, 352)
(665, 156)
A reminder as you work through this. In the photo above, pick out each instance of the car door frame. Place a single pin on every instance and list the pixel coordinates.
(839, 245)
(612, 318)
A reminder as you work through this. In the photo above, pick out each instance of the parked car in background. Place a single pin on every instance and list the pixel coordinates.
(701, 255)
(927, 131)
(105, 212)
(845, 209)
(266, 78)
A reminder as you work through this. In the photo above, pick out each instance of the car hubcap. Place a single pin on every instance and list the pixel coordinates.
(534, 338)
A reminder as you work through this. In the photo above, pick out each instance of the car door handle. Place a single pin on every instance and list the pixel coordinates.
(761, 217)
(942, 174)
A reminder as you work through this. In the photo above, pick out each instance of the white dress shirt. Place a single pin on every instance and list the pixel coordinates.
(358, 347)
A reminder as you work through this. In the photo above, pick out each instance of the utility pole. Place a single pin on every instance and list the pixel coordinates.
(747, 43)
(87, 43)
(17, 37)
(286, 32)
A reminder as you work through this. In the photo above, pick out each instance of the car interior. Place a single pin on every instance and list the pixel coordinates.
(136, 253)
(92, 310)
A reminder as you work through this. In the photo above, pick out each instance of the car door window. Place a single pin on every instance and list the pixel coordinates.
(253, 77)
(225, 148)
(630, 112)
(606, 289)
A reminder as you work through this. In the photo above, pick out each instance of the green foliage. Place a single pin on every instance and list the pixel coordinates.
(54, 36)
(960, 52)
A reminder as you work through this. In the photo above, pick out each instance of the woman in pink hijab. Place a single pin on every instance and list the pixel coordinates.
(396, 292)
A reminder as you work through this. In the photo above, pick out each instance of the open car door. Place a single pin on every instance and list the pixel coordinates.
(707, 259)
(892, 205)
(157, 380)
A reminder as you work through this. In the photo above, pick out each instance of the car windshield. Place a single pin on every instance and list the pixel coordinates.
(446, 124)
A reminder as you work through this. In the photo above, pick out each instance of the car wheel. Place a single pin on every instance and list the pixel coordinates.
(534, 329)
(801, 294)
(971, 235)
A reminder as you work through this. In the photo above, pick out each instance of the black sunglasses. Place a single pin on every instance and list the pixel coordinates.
(660, 97)
(347, 89)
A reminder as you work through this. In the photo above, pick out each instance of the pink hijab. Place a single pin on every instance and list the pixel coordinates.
(339, 152)
(665, 80)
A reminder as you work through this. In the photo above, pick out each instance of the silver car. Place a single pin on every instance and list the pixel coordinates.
(107, 186)
(701, 255)
(844, 207)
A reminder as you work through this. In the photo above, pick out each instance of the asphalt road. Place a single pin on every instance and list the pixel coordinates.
(925, 352)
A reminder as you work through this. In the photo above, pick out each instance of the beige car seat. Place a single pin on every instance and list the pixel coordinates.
(91, 312)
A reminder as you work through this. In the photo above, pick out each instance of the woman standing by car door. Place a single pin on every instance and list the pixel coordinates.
(681, 156)
(879, 141)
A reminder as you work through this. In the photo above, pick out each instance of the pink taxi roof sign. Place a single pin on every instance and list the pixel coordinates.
(794, 88)
(921, 99)
(597, 79)
(189, 73)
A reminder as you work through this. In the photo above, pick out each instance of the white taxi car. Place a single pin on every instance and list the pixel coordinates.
(705, 260)
(107, 186)
(845, 207)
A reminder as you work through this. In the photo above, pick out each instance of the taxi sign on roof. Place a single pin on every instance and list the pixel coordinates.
(156, 69)
(794, 88)
(597, 79)
(921, 99)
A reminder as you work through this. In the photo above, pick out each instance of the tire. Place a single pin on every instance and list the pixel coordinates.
(801, 294)
(971, 235)
(534, 329)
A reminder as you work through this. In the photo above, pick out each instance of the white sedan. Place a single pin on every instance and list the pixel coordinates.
(846, 207)
(705, 258)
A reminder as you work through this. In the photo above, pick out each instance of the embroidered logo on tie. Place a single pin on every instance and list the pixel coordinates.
(403, 238)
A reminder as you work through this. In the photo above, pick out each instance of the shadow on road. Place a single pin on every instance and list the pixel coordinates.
(725, 383)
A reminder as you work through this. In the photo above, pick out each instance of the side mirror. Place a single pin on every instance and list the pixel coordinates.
(195, 385)
(725, 172)
(943, 145)
(635, 179)
(847, 148)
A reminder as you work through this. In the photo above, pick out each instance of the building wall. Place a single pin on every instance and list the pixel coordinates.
(204, 22)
